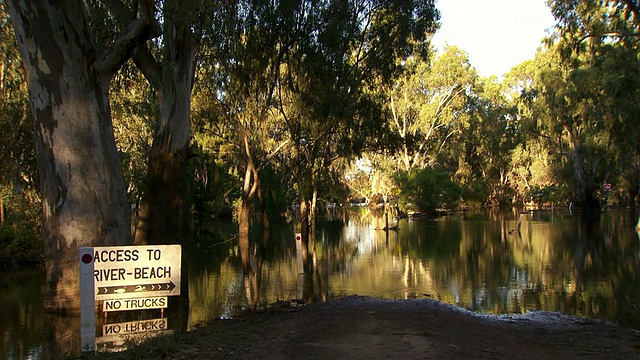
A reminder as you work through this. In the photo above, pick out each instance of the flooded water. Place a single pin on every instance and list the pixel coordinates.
(486, 261)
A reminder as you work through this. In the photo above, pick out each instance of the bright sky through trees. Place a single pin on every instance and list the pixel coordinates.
(497, 34)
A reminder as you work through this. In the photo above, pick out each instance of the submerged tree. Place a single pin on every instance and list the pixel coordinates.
(298, 83)
(328, 92)
(164, 215)
(240, 75)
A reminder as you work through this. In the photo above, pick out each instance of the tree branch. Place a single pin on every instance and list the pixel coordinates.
(110, 59)
(273, 153)
(607, 34)
(146, 63)
(136, 32)
(138, 50)
(120, 10)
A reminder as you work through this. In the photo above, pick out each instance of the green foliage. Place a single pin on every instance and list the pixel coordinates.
(589, 84)
(428, 106)
(475, 192)
(20, 239)
(489, 149)
(371, 176)
(551, 194)
(299, 89)
(213, 188)
(21, 242)
(17, 156)
(294, 87)
(133, 112)
(276, 190)
(427, 190)
(20, 245)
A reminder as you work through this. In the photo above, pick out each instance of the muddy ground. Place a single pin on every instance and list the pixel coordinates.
(367, 328)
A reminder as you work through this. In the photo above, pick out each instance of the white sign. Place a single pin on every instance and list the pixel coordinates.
(134, 304)
(127, 272)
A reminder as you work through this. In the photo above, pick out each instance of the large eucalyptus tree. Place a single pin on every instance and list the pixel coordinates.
(169, 66)
(83, 191)
(592, 92)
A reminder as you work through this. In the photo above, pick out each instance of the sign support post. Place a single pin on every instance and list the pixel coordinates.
(300, 263)
(299, 259)
(87, 301)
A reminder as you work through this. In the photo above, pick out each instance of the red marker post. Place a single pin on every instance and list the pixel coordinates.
(607, 187)
(299, 253)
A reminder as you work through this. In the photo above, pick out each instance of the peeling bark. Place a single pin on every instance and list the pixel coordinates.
(83, 190)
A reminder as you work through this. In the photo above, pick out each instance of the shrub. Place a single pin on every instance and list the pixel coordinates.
(476, 192)
(550, 194)
(427, 190)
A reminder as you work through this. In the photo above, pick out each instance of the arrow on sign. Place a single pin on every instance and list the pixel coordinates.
(104, 290)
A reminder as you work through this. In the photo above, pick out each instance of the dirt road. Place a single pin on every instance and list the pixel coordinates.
(366, 328)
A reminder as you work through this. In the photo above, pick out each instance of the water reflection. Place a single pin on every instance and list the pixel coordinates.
(493, 261)
(21, 321)
(115, 330)
(488, 261)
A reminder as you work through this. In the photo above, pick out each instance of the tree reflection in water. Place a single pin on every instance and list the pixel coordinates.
(490, 261)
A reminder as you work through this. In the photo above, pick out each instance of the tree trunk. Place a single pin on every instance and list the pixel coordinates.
(164, 216)
(250, 185)
(247, 271)
(2, 211)
(304, 184)
(244, 218)
(584, 178)
(304, 226)
(634, 181)
(243, 234)
(83, 190)
(263, 206)
(312, 222)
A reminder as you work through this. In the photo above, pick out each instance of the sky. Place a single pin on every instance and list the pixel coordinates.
(496, 34)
